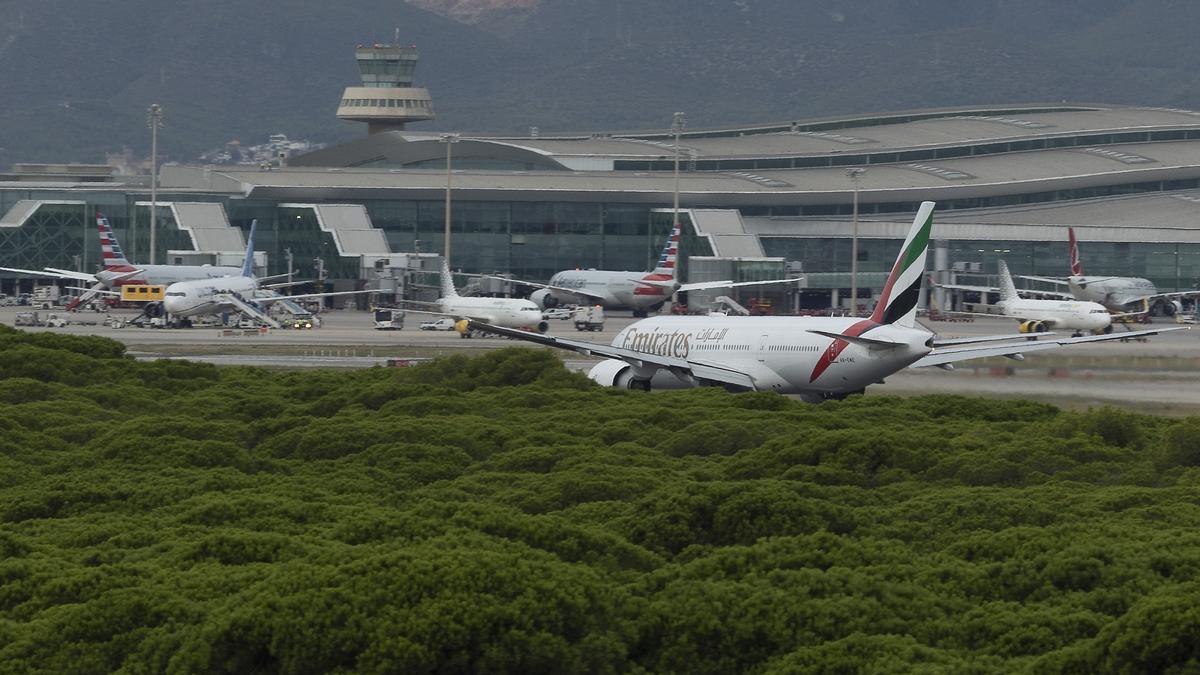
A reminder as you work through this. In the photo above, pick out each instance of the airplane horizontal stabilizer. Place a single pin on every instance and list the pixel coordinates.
(858, 340)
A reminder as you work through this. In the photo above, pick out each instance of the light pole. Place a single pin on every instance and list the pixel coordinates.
(854, 173)
(154, 119)
(288, 252)
(677, 124)
(449, 140)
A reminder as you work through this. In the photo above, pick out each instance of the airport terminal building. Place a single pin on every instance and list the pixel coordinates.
(759, 201)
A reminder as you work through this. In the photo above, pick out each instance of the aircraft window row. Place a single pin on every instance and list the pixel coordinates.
(792, 348)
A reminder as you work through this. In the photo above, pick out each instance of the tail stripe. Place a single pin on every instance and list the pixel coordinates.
(110, 251)
(1073, 245)
(670, 253)
(898, 302)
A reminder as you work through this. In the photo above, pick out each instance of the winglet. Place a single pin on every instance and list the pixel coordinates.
(248, 264)
(1073, 245)
(898, 303)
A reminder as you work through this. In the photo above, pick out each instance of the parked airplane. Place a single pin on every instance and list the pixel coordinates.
(243, 293)
(1118, 294)
(515, 313)
(1037, 316)
(643, 292)
(118, 271)
(816, 357)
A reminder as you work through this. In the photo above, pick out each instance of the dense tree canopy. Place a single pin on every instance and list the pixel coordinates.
(499, 514)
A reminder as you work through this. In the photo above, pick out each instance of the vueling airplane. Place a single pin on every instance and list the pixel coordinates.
(515, 313)
(239, 293)
(1037, 316)
(118, 271)
(817, 358)
(643, 292)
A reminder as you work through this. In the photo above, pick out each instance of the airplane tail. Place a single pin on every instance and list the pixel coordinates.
(670, 254)
(448, 290)
(110, 251)
(1073, 244)
(248, 263)
(1008, 290)
(898, 304)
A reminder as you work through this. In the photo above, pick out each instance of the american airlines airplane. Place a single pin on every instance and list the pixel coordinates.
(643, 292)
(184, 300)
(118, 271)
(817, 358)
(515, 313)
(1116, 293)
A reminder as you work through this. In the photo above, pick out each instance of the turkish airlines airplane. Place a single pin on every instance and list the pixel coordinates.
(817, 358)
(243, 293)
(118, 271)
(1115, 293)
(643, 292)
(516, 313)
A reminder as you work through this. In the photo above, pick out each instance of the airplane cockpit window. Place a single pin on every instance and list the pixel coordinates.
(176, 294)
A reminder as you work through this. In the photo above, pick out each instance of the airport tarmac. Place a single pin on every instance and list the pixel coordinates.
(1157, 375)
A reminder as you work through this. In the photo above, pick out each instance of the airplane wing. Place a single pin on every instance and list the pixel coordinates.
(944, 357)
(1044, 280)
(953, 342)
(702, 285)
(561, 289)
(54, 274)
(1020, 291)
(677, 366)
(277, 298)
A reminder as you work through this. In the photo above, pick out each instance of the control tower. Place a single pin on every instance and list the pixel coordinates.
(386, 101)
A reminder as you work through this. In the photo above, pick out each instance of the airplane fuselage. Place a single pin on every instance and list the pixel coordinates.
(780, 353)
(504, 312)
(206, 296)
(1115, 293)
(161, 275)
(1070, 314)
(617, 290)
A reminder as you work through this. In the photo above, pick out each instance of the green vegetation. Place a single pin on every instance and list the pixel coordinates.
(500, 514)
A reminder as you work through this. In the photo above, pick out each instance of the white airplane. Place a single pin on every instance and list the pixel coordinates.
(1037, 316)
(118, 271)
(243, 293)
(643, 292)
(1116, 293)
(516, 313)
(817, 358)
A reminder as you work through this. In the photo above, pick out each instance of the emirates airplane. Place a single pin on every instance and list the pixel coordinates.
(118, 271)
(643, 292)
(817, 358)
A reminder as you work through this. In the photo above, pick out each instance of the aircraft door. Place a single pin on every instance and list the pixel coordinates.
(762, 347)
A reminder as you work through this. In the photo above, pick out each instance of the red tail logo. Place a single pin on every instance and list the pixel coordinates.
(1076, 266)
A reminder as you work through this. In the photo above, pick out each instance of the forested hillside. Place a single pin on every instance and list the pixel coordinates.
(76, 76)
(500, 514)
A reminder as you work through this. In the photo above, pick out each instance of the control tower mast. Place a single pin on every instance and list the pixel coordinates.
(386, 101)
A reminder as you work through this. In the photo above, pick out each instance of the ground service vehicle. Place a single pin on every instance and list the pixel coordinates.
(444, 323)
(590, 317)
(389, 319)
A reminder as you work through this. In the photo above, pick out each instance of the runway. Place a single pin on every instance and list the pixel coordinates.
(1157, 375)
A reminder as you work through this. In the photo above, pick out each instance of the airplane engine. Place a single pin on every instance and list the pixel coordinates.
(544, 298)
(543, 326)
(1033, 326)
(153, 309)
(617, 373)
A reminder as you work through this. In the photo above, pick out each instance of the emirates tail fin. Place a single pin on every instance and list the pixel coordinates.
(898, 303)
